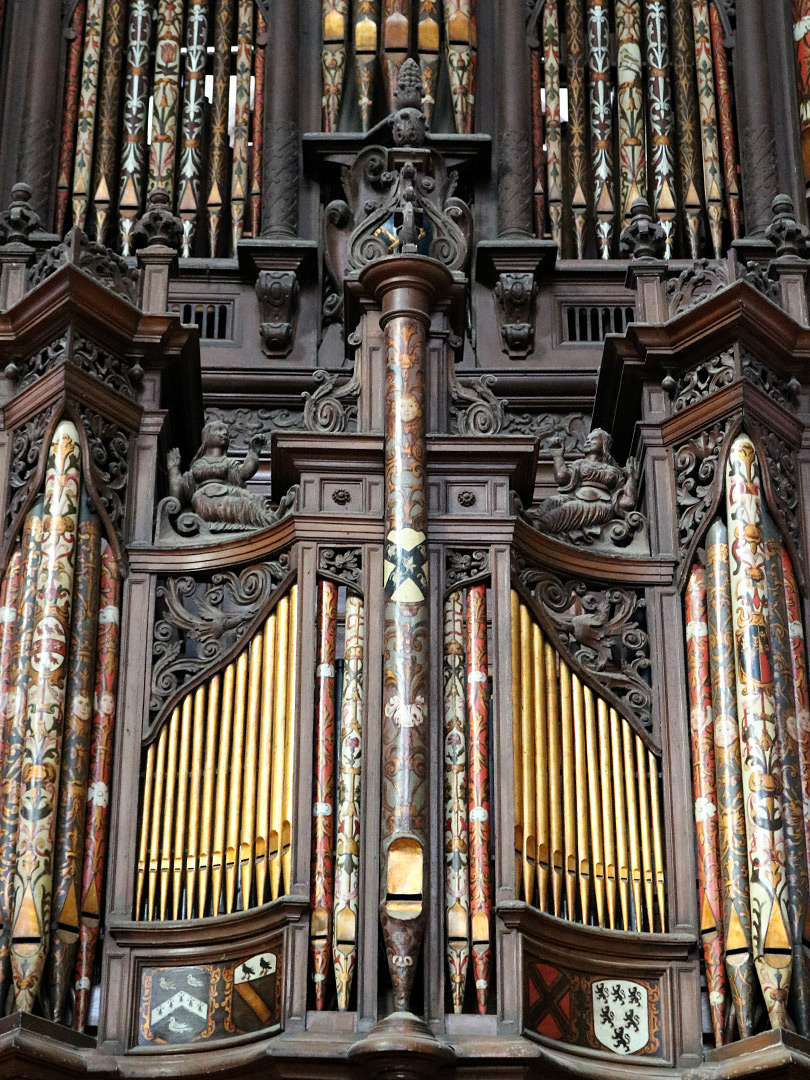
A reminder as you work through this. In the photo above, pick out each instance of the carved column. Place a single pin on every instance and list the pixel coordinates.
(514, 122)
(406, 287)
(755, 115)
(281, 134)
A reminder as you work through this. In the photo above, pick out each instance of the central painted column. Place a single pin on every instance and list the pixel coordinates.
(406, 288)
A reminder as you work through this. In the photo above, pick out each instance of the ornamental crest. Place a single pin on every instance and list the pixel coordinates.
(620, 1015)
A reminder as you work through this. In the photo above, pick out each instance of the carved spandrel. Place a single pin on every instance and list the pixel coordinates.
(199, 622)
(604, 630)
(95, 260)
(114, 371)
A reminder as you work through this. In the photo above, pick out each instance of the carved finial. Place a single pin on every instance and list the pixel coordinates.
(20, 220)
(158, 224)
(790, 236)
(408, 122)
(643, 237)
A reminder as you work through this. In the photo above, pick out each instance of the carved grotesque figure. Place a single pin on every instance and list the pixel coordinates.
(595, 493)
(408, 123)
(214, 486)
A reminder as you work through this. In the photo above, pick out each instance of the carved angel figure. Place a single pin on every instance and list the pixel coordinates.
(214, 486)
(594, 493)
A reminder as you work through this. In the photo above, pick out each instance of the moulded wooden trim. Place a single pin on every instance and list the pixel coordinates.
(601, 565)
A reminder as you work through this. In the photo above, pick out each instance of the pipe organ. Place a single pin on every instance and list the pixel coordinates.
(404, 569)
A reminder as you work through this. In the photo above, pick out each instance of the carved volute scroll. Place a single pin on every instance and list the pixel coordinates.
(464, 566)
(342, 564)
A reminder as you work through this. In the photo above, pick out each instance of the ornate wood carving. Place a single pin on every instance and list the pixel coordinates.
(476, 410)
(571, 429)
(514, 295)
(200, 622)
(103, 265)
(332, 407)
(113, 371)
(780, 480)
(109, 460)
(343, 564)
(703, 379)
(244, 423)
(604, 630)
(695, 284)
(698, 479)
(27, 442)
(465, 565)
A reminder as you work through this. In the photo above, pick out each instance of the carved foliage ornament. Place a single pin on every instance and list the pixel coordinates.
(570, 429)
(475, 409)
(713, 374)
(696, 467)
(199, 622)
(779, 470)
(244, 423)
(465, 565)
(605, 631)
(109, 453)
(597, 496)
(695, 284)
(113, 371)
(27, 443)
(342, 564)
(95, 260)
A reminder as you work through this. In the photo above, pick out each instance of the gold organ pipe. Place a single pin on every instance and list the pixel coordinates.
(279, 743)
(181, 817)
(221, 805)
(644, 826)
(658, 846)
(195, 795)
(235, 793)
(248, 826)
(608, 818)
(528, 758)
(582, 811)
(154, 835)
(541, 761)
(632, 821)
(289, 756)
(555, 778)
(146, 815)
(209, 780)
(569, 790)
(597, 836)
(168, 814)
(621, 817)
(517, 740)
(265, 757)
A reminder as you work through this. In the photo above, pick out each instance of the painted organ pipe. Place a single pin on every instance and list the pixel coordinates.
(335, 20)
(724, 115)
(538, 147)
(705, 789)
(757, 664)
(108, 110)
(88, 102)
(687, 118)
(366, 27)
(456, 835)
(601, 123)
(240, 185)
(662, 120)
(208, 831)
(396, 31)
(427, 43)
(632, 142)
(191, 128)
(136, 91)
(323, 806)
(52, 614)
(67, 146)
(756, 718)
(551, 70)
(257, 140)
(801, 37)
(218, 146)
(166, 94)
(589, 818)
(462, 44)
(350, 762)
(712, 172)
(577, 122)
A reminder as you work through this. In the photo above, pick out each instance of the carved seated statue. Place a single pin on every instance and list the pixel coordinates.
(596, 495)
(212, 496)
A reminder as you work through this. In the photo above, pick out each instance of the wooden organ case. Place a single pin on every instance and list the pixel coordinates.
(418, 739)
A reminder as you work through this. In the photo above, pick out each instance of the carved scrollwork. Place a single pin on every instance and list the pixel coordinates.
(755, 276)
(569, 429)
(26, 448)
(780, 469)
(463, 565)
(331, 408)
(476, 410)
(695, 284)
(696, 463)
(85, 354)
(703, 379)
(198, 622)
(784, 391)
(109, 451)
(604, 630)
(244, 423)
(343, 564)
(94, 259)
